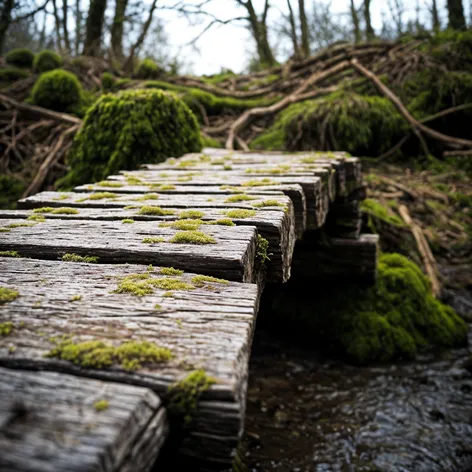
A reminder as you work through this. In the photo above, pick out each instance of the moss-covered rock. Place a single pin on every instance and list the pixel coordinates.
(393, 319)
(10, 74)
(125, 130)
(58, 90)
(108, 81)
(20, 57)
(148, 69)
(360, 125)
(47, 60)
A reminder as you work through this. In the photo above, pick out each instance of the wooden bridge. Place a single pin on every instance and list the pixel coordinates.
(105, 351)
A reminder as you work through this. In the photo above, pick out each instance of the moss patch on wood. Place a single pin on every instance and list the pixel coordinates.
(239, 198)
(153, 240)
(191, 214)
(109, 183)
(186, 225)
(101, 405)
(98, 196)
(9, 254)
(8, 295)
(143, 284)
(127, 221)
(262, 246)
(269, 203)
(77, 258)
(240, 213)
(202, 280)
(170, 271)
(7, 327)
(154, 210)
(192, 237)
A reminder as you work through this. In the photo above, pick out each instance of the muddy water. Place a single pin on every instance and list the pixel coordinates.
(307, 413)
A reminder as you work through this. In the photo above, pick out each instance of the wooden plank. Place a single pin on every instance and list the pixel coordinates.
(231, 255)
(208, 328)
(277, 226)
(49, 424)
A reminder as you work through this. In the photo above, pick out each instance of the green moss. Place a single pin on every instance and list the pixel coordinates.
(165, 187)
(154, 210)
(108, 183)
(8, 295)
(131, 180)
(154, 240)
(143, 284)
(101, 405)
(239, 198)
(148, 69)
(37, 218)
(65, 211)
(207, 141)
(191, 214)
(147, 196)
(7, 327)
(202, 280)
(168, 294)
(184, 395)
(227, 167)
(11, 189)
(131, 355)
(98, 196)
(20, 57)
(192, 237)
(5, 230)
(282, 169)
(259, 183)
(375, 209)
(108, 81)
(269, 203)
(9, 254)
(186, 163)
(77, 258)
(222, 222)
(127, 221)
(184, 225)
(75, 298)
(10, 74)
(157, 307)
(124, 130)
(240, 213)
(262, 246)
(20, 225)
(46, 61)
(58, 90)
(170, 271)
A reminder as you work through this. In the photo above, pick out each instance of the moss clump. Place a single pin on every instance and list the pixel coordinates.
(127, 221)
(75, 298)
(202, 280)
(184, 395)
(10, 74)
(64, 211)
(131, 355)
(147, 196)
(262, 246)
(239, 198)
(376, 210)
(166, 187)
(37, 218)
(185, 225)
(20, 57)
(282, 169)
(170, 271)
(240, 213)
(361, 125)
(76, 258)
(108, 183)
(191, 214)
(108, 82)
(11, 190)
(259, 183)
(8, 295)
(154, 210)
(133, 127)
(154, 240)
(20, 225)
(46, 61)
(6, 328)
(148, 69)
(269, 203)
(143, 284)
(192, 237)
(98, 196)
(9, 254)
(101, 405)
(222, 222)
(58, 90)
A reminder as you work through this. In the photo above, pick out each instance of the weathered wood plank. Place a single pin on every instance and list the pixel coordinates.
(277, 226)
(208, 328)
(231, 255)
(48, 423)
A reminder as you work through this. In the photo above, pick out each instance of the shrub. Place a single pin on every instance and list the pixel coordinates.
(47, 60)
(10, 191)
(358, 124)
(10, 74)
(108, 81)
(395, 318)
(148, 69)
(133, 127)
(58, 90)
(21, 57)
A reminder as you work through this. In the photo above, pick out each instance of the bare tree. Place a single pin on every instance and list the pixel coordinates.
(355, 22)
(117, 28)
(369, 30)
(293, 30)
(94, 27)
(64, 25)
(78, 27)
(435, 16)
(456, 14)
(304, 29)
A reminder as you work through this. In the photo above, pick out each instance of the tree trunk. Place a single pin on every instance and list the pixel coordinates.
(293, 31)
(5, 20)
(94, 27)
(58, 24)
(64, 25)
(456, 15)
(435, 16)
(355, 23)
(369, 31)
(117, 29)
(304, 29)
(78, 27)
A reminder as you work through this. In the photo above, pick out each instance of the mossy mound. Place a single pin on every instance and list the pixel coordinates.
(133, 127)
(10, 74)
(20, 57)
(394, 319)
(108, 81)
(148, 69)
(47, 60)
(361, 125)
(58, 90)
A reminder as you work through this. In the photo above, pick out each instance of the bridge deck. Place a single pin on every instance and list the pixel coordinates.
(143, 217)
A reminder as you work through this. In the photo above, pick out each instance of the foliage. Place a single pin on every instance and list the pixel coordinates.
(58, 90)
(108, 81)
(11, 189)
(343, 120)
(10, 74)
(148, 69)
(47, 60)
(133, 127)
(20, 57)
(395, 318)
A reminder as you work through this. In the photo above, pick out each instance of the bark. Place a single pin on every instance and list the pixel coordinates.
(369, 31)
(435, 16)
(355, 23)
(117, 28)
(64, 25)
(5, 20)
(94, 27)
(456, 15)
(57, 21)
(304, 29)
(78, 27)
(293, 30)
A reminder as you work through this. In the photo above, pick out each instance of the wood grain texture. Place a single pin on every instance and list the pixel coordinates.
(48, 423)
(231, 257)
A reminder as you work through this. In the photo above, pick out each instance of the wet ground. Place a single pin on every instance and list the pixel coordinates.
(306, 413)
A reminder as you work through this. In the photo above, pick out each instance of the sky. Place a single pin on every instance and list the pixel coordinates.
(230, 46)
